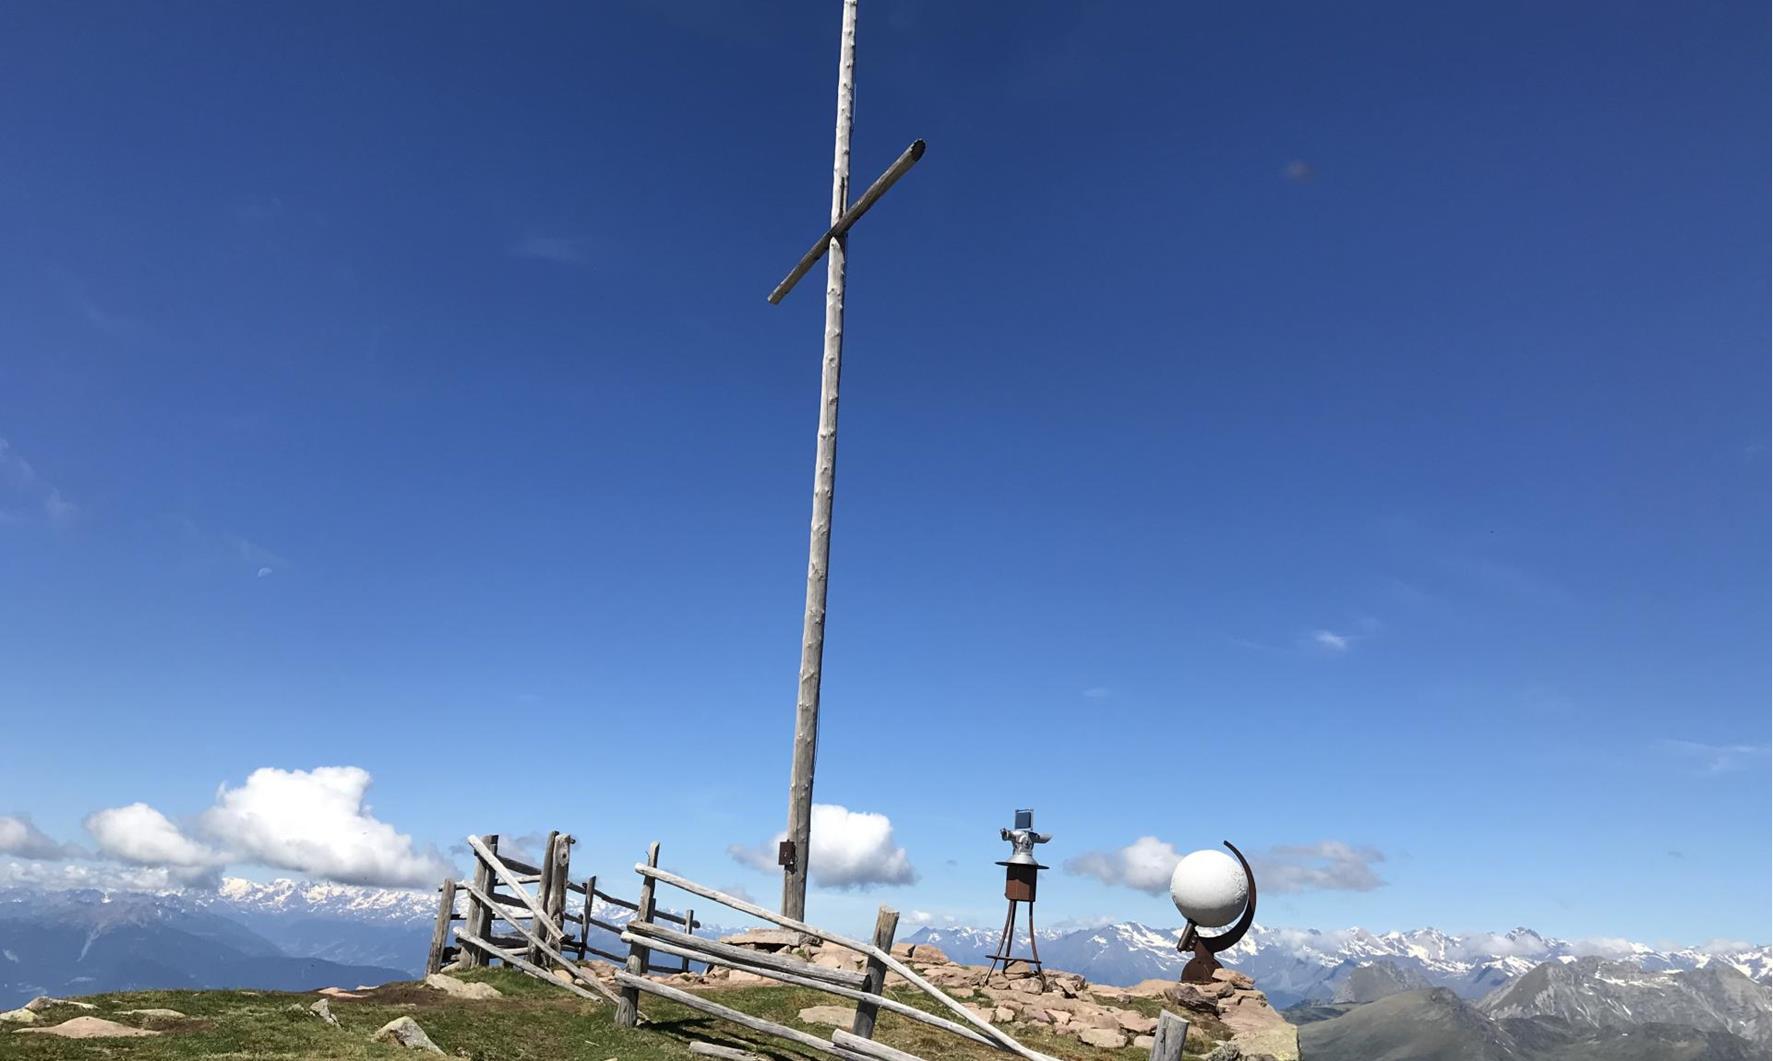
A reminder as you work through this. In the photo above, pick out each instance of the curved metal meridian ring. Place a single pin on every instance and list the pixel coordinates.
(1228, 939)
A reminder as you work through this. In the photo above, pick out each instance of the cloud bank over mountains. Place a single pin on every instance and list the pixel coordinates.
(1329, 865)
(313, 822)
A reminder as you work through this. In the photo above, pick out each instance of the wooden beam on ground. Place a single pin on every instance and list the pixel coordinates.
(870, 1048)
(714, 1009)
(728, 1053)
(886, 922)
(892, 1005)
(1004, 1040)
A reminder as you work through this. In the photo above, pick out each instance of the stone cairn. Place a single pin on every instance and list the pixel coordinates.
(1228, 1018)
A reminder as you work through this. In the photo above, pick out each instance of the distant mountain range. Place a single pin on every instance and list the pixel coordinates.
(1515, 996)
(79, 942)
(1308, 966)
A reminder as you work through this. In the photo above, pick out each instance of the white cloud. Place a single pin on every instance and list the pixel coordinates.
(1329, 639)
(263, 572)
(850, 849)
(1716, 758)
(1144, 865)
(1328, 865)
(1098, 692)
(142, 835)
(59, 509)
(23, 482)
(107, 876)
(561, 250)
(21, 839)
(315, 822)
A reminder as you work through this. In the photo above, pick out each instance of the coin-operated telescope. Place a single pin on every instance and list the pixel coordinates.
(1021, 873)
(1211, 890)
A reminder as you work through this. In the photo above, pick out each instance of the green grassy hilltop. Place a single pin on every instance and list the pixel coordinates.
(533, 1021)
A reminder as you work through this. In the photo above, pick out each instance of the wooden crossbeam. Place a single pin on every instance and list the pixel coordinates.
(901, 166)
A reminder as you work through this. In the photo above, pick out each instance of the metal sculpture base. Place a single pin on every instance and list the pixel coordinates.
(1203, 965)
(1006, 943)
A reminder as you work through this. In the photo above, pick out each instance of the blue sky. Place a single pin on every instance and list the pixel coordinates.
(1341, 431)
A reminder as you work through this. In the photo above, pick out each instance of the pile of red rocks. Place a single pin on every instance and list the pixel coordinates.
(1227, 1011)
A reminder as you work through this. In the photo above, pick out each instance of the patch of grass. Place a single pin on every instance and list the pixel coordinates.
(533, 1022)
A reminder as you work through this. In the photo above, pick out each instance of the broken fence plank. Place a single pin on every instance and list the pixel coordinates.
(870, 1048)
(537, 941)
(746, 956)
(1004, 1040)
(715, 1009)
(504, 875)
(890, 1004)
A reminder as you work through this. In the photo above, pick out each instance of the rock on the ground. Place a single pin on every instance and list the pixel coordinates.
(155, 1014)
(404, 1031)
(338, 992)
(1106, 1038)
(925, 952)
(323, 1010)
(454, 988)
(43, 1002)
(828, 1016)
(771, 939)
(22, 1015)
(90, 1028)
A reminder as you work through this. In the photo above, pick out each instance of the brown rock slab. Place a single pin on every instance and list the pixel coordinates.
(1105, 1038)
(90, 1028)
(828, 1016)
(770, 939)
(454, 988)
(924, 952)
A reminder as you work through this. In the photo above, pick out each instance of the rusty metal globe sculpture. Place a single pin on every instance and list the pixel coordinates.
(1209, 888)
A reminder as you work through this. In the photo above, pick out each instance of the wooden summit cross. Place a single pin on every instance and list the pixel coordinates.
(795, 850)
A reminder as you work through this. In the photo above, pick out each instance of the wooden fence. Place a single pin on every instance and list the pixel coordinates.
(542, 940)
(484, 905)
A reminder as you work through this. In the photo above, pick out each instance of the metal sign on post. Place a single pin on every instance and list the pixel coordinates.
(794, 852)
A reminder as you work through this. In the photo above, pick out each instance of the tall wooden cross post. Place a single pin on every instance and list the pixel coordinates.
(796, 849)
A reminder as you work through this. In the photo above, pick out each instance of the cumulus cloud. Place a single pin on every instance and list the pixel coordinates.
(850, 849)
(142, 835)
(21, 839)
(316, 822)
(24, 484)
(1716, 758)
(1144, 865)
(1331, 641)
(105, 876)
(1329, 865)
(561, 250)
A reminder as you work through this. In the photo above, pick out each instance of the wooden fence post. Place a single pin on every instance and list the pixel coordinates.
(585, 924)
(446, 909)
(628, 1012)
(689, 926)
(544, 890)
(479, 915)
(885, 924)
(1166, 1044)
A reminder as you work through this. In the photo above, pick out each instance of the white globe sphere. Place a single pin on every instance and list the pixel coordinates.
(1209, 888)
